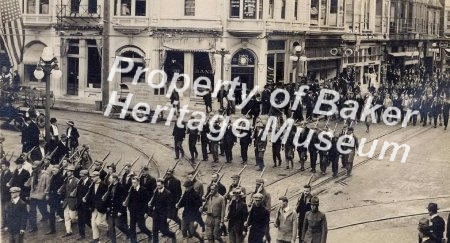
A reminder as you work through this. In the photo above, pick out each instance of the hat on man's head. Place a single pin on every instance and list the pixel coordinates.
(84, 172)
(20, 161)
(53, 120)
(14, 189)
(95, 173)
(283, 198)
(432, 207)
(188, 183)
(315, 201)
(236, 176)
(70, 123)
(350, 129)
(98, 162)
(258, 196)
(237, 191)
(259, 181)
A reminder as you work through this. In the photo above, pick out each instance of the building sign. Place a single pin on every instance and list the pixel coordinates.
(235, 7)
(250, 9)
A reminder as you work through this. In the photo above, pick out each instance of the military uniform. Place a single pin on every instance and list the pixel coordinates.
(174, 186)
(84, 213)
(258, 221)
(191, 202)
(315, 227)
(160, 207)
(192, 141)
(237, 215)
(116, 212)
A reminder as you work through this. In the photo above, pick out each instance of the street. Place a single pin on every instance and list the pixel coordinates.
(382, 198)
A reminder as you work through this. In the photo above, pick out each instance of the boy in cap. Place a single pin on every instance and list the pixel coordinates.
(17, 216)
(259, 188)
(315, 227)
(70, 200)
(191, 202)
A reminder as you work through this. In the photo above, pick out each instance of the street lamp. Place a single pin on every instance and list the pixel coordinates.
(300, 59)
(48, 65)
(222, 52)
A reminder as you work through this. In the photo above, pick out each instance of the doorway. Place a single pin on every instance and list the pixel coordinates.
(72, 75)
(243, 66)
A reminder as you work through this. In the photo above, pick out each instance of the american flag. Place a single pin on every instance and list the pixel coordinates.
(11, 30)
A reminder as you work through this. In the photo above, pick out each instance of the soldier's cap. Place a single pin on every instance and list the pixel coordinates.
(160, 180)
(98, 162)
(258, 196)
(70, 123)
(127, 164)
(95, 173)
(20, 161)
(307, 186)
(84, 172)
(63, 136)
(15, 189)
(259, 181)
(188, 183)
(424, 223)
(283, 198)
(432, 207)
(315, 201)
(70, 167)
(36, 164)
(170, 171)
(350, 129)
(236, 176)
(53, 120)
(111, 165)
(115, 175)
(145, 168)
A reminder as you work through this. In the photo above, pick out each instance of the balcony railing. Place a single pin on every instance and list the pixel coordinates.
(81, 11)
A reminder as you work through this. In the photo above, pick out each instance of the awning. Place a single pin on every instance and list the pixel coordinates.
(130, 49)
(404, 54)
(32, 54)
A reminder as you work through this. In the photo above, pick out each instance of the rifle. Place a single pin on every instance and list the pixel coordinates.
(210, 193)
(164, 178)
(127, 199)
(309, 183)
(11, 156)
(90, 167)
(106, 195)
(182, 195)
(132, 164)
(61, 160)
(27, 154)
(253, 203)
(278, 210)
(41, 166)
(83, 150)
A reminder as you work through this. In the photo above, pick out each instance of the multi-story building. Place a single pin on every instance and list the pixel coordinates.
(260, 35)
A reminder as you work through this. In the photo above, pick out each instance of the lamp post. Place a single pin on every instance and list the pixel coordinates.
(300, 59)
(48, 65)
(222, 52)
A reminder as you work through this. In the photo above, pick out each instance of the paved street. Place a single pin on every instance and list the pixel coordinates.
(379, 190)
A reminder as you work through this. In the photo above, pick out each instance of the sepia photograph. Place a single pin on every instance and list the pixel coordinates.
(213, 121)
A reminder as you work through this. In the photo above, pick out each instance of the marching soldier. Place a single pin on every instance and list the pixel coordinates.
(70, 200)
(191, 202)
(5, 194)
(159, 208)
(192, 141)
(215, 144)
(116, 212)
(137, 206)
(215, 211)
(220, 187)
(289, 148)
(236, 216)
(84, 213)
(126, 177)
(315, 225)
(198, 188)
(333, 155)
(235, 185)
(258, 220)
(17, 217)
(110, 169)
(286, 222)
(245, 141)
(178, 135)
(61, 151)
(324, 154)
(259, 188)
(40, 181)
(53, 198)
(229, 139)
(349, 157)
(276, 151)
(94, 201)
(204, 140)
(313, 151)
(98, 167)
(303, 206)
(174, 186)
(148, 182)
(260, 148)
(19, 177)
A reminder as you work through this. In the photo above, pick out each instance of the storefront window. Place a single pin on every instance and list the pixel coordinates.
(140, 7)
(125, 8)
(235, 8)
(94, 64)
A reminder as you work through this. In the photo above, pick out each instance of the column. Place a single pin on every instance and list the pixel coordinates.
(82, 68)
(189, 71)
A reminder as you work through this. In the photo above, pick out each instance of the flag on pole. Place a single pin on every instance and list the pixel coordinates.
(11, 30)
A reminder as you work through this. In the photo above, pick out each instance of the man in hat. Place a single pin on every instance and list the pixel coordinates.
(174, 186)
(315, 227)
(259, 188)
(286, 222)
(137, 206)
(208, 100)
(84, 213)
(214, 144)
(235, 181)
(258, 220)
(61, 151)
(5, 195)
(445, 113)
(289, 148)
(19, 177)
(229, 139)
(179, 133)
(245, 142)
(53, 198)
(98, 166)
(110, 169)
(313, 151)
(160, 207)
(191, 202)
(236, 216)
(70, 202)
(215, 211)
(72, 136)
(40, 182)
(17, 217)
(94, 201)
(260, 147)
(127, 176)
(30, 137)
(437, 227)
(333, 154)
(116, 212)
(148, 182)
(198, 188)
(205, 140)
(192, 140)
(303, 150)
(220, 187)
(350, 145)
(303, 206)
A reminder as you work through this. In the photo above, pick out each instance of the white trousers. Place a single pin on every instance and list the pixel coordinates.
(69, 217)
(97, 220)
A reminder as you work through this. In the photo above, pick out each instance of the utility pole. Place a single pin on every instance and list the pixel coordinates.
(105, 51)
